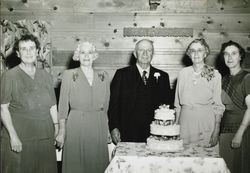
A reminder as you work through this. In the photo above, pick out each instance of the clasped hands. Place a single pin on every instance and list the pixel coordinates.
(60, 138)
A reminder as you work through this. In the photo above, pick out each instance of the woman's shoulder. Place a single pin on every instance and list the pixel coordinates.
(43, 71)
(102, 74)
(210, 73)
(246, 75)
(11, 73)
(217, 73)
(70, 72)
(185, 70)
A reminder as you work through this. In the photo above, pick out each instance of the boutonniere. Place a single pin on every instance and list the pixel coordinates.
(157, 75)
(101, 76)
(207, 72)
(75, 76)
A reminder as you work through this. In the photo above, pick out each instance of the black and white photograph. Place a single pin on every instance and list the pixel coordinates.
(125, 86)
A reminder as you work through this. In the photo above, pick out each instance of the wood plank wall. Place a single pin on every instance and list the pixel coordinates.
(105, 30)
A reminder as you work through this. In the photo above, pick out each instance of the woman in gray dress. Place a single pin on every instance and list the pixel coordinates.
(83, 106)
(28, 111)
(235, 130)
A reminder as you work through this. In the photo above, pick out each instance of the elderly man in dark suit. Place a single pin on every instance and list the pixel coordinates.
(136, 91)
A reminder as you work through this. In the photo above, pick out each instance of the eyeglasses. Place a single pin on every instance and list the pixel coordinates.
(193, 51)
(233, 54)
(86, 53)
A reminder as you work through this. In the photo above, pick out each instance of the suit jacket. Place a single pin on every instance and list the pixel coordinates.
(124, 87)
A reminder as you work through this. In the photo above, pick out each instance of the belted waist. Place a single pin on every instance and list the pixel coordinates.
(38, 115)
(196, 107)
(87, 110)
(231, 120)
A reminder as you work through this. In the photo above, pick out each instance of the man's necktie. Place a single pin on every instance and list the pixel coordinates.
(144, 77)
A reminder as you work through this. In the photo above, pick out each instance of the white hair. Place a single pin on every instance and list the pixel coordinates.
(84, 45)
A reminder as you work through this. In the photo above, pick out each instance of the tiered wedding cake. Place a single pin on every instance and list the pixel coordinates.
(165, 134)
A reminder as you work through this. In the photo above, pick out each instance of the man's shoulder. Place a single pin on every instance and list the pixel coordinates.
(126, 69)
(156, 70)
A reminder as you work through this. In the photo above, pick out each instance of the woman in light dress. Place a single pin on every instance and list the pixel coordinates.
(198, 98)
(83, 104)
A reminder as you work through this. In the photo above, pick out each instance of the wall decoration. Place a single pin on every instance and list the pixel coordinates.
(10, 31)
(157, 32)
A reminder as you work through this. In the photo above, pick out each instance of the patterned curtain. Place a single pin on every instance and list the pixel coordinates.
(11, 31)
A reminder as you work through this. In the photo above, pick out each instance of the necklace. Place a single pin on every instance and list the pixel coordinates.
(195, 77)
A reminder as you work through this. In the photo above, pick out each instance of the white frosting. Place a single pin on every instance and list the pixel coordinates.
(166, 129)
(164, 114)
(170, 130)
(164, 146)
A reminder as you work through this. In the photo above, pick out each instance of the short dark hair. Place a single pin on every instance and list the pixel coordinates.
(232, 43)
(27, 37)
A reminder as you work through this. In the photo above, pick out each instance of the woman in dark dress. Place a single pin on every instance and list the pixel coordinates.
(235, 130)
(29, 114)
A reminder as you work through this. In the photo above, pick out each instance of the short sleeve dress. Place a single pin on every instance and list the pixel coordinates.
(234, 91)
(29, 101)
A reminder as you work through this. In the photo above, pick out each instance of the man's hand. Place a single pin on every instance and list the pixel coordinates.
(115, 135)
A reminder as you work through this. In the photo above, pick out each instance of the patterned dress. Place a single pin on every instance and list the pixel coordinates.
(198, 99)
(30, 102)
(85, 109)
(235, 89)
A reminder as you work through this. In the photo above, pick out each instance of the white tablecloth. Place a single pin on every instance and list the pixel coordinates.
(136, 158)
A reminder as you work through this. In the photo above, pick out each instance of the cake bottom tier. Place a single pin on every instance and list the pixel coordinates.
(164, 145)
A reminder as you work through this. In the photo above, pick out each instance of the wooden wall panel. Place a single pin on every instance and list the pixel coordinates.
(166, 6)
(105, 30)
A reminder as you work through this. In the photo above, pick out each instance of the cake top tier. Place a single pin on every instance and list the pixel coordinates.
(164, 113)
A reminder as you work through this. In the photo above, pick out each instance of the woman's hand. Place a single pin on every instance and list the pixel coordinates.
(60, 138)
(214, 137)
(15, 143)
(56, 131)
(236, 141)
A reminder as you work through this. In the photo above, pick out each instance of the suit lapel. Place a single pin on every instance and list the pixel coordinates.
(135, 81)
(151, 78)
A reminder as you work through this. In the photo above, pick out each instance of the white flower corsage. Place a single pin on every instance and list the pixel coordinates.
(157, 75)
(101, 76)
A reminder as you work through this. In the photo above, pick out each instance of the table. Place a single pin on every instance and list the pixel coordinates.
(136, 158)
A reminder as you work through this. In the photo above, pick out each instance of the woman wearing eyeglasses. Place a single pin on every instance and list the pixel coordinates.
(83, 104)
(198, 98)
(235, 130)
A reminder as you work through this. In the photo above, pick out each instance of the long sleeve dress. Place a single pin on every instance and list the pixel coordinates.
(85, 109)
(198, 100)
(234, 91)
(29, 101)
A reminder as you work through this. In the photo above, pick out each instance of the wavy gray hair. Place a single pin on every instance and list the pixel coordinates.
(84, 45)
(203, 42)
